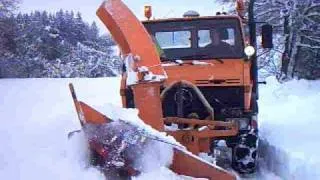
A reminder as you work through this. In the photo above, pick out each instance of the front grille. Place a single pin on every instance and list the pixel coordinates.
(220, 98)
(232, 97)
(217, 81)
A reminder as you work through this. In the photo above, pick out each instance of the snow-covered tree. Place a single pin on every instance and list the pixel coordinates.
(7, 9)
(298, 22)
(7, 26)
(56, 45)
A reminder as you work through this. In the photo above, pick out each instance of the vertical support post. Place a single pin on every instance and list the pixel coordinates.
(77, 104)
(253, 42)
(147, 100)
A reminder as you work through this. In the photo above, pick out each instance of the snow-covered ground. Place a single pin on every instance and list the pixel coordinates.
(289, 123)
(37, 115)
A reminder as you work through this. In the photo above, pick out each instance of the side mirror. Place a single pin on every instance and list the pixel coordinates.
(267, 36)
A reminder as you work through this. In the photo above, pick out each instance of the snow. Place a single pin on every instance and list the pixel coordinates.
(289, 120)
(179, 61)
(169, 64)
(195, 62)
(131, 116)
(54, 35)
(132, 76)
(37, 115)
(47, 28)
(132, 71)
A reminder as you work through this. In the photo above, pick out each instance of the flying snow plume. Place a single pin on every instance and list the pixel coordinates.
(156, 155)
(157, 150)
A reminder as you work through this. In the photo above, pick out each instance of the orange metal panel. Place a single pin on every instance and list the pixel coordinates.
(248, 85)
(188, 164)
(147, 100)
(199, 141)
(123, 87)
(93, 116)
(194, 122)
(195, 140)
(130, 34)
(87, 114)
(231, 70)
(204, 145)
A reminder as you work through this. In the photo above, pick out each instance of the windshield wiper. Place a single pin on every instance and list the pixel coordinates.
(165, 59)
(202, 56)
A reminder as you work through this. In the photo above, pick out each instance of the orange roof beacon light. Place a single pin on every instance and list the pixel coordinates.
(240, 8)
(148, 12)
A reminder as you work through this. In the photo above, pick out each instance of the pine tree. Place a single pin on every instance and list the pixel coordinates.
(42, 44)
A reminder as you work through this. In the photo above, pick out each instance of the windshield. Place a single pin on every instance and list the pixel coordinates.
(197, 39)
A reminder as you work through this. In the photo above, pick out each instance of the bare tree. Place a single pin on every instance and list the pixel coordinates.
(298, 22)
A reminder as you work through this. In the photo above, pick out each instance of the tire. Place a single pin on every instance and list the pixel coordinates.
(245, 153)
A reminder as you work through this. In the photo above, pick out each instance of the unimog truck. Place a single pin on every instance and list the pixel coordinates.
(193, 77)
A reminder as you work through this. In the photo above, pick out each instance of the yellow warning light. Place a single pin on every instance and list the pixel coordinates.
(240, 5)
(148, 12)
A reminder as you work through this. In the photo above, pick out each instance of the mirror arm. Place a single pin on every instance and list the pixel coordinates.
(264, 52)
(277, 50)
(260, 22)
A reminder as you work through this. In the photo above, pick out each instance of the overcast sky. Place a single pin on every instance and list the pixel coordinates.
(161, 8)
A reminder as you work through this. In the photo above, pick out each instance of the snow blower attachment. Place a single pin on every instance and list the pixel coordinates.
(190, 77)
(116, 144)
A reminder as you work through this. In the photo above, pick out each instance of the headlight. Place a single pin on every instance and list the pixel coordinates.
(249, 51)
(243, 123)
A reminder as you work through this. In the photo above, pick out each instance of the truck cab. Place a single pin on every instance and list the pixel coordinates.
(208, 53)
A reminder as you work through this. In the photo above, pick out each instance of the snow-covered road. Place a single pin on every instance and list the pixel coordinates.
(37, 114)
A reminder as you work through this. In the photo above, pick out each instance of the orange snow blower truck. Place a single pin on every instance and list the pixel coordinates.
(194, 78)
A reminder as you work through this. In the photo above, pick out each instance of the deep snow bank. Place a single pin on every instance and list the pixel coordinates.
(289, 124)
(37, 115)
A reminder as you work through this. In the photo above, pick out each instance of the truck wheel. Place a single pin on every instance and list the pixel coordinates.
(244, 153)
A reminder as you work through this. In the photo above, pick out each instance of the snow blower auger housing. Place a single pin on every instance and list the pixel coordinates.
(194, 78)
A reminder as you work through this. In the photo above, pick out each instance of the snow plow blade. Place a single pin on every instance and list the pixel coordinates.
(190, 165)
(184, 162)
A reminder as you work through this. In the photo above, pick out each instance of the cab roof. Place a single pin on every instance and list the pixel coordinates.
(192, 18)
